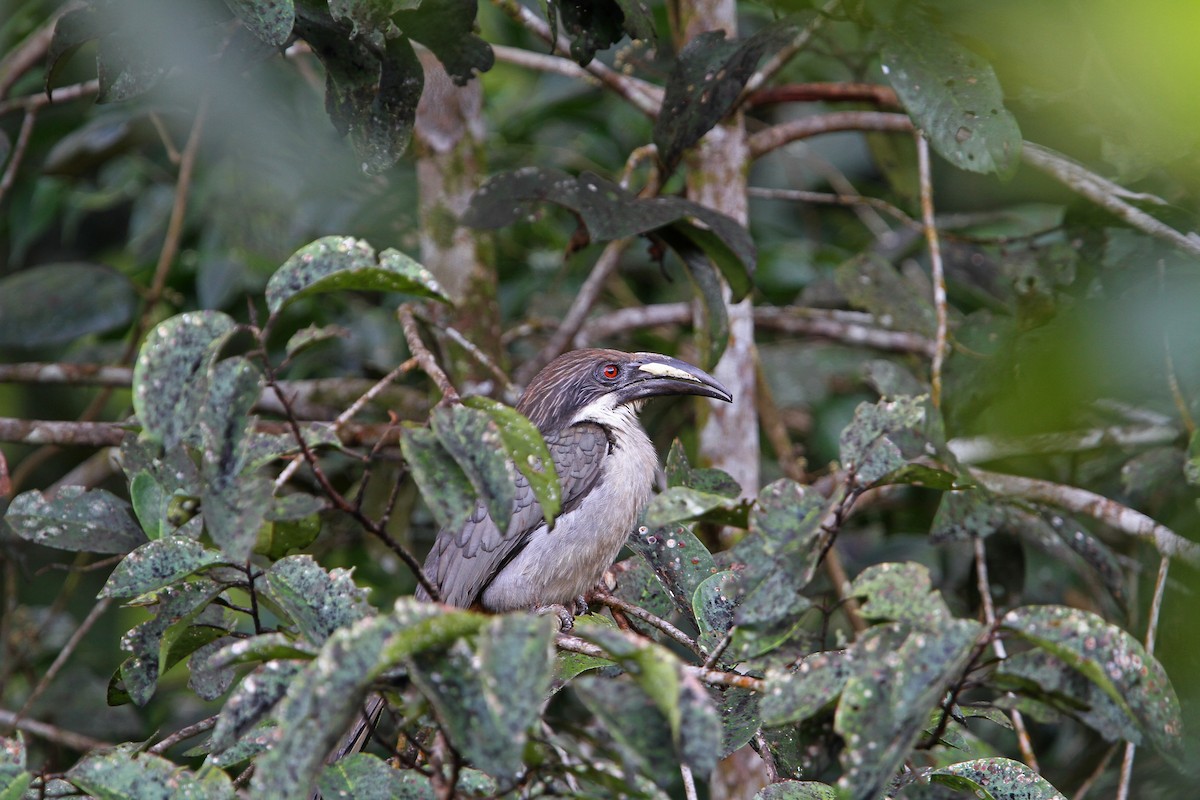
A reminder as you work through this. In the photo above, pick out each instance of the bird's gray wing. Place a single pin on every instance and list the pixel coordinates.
(463, 562)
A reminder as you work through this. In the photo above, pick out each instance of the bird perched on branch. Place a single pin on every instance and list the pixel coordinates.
(585, 403)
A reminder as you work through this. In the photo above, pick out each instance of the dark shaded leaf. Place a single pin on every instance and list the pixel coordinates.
(1113, 660)
(610, 212)
(712, 332)
(739, 717)
(677, 557)
(157, 564)
(316, 601)
(206, 678)
(713, 606)
(638, 729)
(339, 263)
(87, 520)
(900, 676)
(270, 20)
(998, 778)
(527, 449)
(797, 694)
(263, 448)
(874, 285)
(901, 592)
(637, 583)
(170, 377)
(125, 774)
(447, 28)
(443, 484)
(73, 29)
(1044, 677)
(57, 303)
(592, 26)
(967, 513)
(474, 441)
(953, 95)
(312, 335)
(707, 80)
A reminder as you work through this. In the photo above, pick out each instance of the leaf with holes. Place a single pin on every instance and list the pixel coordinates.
(953, 95)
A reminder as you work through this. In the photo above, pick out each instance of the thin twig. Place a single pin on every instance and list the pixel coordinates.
(425, 358)
(645, 97)
(989, 616)
(1160, 587)
(68, 649)
(1091, 779)
(63, 94)
(481, 358)
(1181, 404)
(713, 677)
(111, 434)
(783, 55)
(18, 152)
(183, 734)
(51, 733)
(1080, 501)
(689, 782)
(344, 418)
(924, 172)
(638, 612)
(573, 321)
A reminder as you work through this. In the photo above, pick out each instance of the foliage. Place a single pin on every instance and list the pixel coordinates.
(292, 403)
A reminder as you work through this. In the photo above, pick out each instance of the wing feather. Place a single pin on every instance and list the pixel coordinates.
(463, 562)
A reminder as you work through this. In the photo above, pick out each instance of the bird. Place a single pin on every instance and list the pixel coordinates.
(585, 403)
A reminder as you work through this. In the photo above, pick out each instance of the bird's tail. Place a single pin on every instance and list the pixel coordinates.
(359, 733)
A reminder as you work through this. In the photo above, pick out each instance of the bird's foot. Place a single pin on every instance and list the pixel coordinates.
(581, 606)
(566, 620)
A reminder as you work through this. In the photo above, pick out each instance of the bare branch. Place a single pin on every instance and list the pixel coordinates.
(111, 434)
(825, 93)
(18, 153)
(64, 654)
(1107, 195)
(937, 269)
(51, 733)
(769, 139)
(638, 612)
(184, 733)
(425, 358)
(980, 449)
(713, 677)
(1080, 501)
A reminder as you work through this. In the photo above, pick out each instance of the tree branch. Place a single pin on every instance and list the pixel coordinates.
(777, 136)
(980, 449)
(425, 358)
(51, 733)
(1080, 501)
(938, 271)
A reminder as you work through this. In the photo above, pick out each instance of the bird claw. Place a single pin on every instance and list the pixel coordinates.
(566, 621)
(581, 605)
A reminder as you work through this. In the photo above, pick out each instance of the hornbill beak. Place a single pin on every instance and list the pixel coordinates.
(654, 375)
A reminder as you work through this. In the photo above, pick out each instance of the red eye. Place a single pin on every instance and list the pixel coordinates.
(611, 371)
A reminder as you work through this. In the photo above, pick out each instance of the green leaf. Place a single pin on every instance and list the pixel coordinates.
(610, 212)
(527, 450)
(341, 263)
(953, 95)
(233, 502)
(206, 678)
(902, 592)
(637, 728)
(79, 519)
(798, 790)
(14, 779)
(996, 779)
(449, 30)
(263, 448)
(264, 647)
(1113, 660)
(312, 335)
(712, 330)
(1191, 468)
(794, 695)
(900, 676)
(680, 504)
(883, 437)
(713, 606)
(780, 553)
(487, 697)
(677, 557)
(443, 484)
(475, 442)
(149, 504)
(56, 303)
(170, 377)
(126, 774)
(254, 697)
(965, 514)
(158, 564)
(316, 601)
(269, 20)
(590, 27)
(707, 80)
(361, 776)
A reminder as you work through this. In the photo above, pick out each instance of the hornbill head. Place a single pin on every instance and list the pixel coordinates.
(594, 384)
